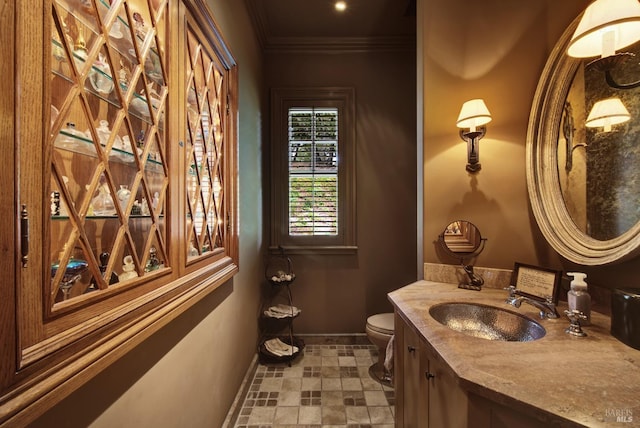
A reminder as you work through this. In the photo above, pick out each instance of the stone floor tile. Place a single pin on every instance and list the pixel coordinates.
(329, 352)
(380, 415)
(311, 384)
(333, 415)
(351, 384)
(330, 371)
(330, 361)
(271, 384)
(262, 416)
(370, 384)
(289, 398)
(331, 384)
(332, 398)
(310, 415)
(291, 384)
(357, 415)
(347, 361)
(286, 415)
(375, 398)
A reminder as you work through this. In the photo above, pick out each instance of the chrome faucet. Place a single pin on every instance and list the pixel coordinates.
(547, 308)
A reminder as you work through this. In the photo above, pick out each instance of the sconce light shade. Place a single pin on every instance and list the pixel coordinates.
(606, 26)
(473, 113)
(606, 113)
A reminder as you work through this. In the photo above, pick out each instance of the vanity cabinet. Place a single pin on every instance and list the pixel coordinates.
(123, 134)
(427, 393)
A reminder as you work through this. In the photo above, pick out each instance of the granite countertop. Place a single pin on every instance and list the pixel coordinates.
(559, 378)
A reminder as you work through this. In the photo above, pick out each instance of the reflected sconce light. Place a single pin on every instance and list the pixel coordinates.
(606, 113)
(471, 120)
(606, 27)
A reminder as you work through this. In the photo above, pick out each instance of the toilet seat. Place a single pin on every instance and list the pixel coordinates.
(381, 323)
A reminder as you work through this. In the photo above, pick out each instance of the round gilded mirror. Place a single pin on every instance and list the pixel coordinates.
(582, 159)
(462, 238)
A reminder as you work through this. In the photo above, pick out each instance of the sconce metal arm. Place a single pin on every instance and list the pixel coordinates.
(568, 130)
(472, 138)
(611, 62)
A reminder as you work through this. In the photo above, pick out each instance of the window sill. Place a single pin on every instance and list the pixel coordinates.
(314, 249)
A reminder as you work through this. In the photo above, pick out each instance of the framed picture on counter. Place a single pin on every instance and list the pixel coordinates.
(536, 282)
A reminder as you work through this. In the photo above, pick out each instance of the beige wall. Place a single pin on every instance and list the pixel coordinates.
(337, 293)
(494, 50)
(187, 374)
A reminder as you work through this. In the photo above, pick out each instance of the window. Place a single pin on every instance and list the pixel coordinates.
(313, 170)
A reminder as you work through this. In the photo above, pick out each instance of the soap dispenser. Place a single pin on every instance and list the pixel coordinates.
(578, 297)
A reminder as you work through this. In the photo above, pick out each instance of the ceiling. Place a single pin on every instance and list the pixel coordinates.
(312, 25)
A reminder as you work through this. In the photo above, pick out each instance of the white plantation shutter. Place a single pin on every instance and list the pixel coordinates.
(313, 171)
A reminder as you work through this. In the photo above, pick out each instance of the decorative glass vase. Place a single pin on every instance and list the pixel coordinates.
(103, 203)
(123, 196)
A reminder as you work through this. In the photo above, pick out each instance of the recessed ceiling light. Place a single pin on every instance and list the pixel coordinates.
(341, 6)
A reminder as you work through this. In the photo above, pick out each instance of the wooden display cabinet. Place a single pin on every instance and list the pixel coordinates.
(119, 134)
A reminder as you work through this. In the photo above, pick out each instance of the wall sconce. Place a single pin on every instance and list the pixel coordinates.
(473, 115)
(607, 26)
(606, 113)
(568, 130)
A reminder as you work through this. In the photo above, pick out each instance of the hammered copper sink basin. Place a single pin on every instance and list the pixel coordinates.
(487, 322)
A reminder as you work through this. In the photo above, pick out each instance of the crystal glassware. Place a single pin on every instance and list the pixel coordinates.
(73, 271)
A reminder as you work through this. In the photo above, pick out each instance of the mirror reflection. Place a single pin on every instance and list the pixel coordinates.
(461, 237)
(599, 150)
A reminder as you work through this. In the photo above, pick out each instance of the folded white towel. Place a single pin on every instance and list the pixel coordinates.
(279, 348)
(282, 311)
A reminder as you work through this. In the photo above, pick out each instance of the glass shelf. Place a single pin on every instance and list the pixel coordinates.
(139, 106)
(85, 146)
(106, 217)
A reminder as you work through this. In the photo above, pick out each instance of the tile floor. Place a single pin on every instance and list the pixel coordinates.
(327, 386)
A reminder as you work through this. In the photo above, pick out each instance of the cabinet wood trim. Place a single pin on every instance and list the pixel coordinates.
(33, 397)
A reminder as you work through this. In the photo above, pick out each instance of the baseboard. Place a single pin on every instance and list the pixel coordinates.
(335, 339)
(234, 411)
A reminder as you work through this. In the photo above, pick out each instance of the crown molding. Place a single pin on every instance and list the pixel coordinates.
(338, 44)
(278, 44)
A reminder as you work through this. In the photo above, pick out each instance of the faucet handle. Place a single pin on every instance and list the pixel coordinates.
(574, 328)
(511, 289)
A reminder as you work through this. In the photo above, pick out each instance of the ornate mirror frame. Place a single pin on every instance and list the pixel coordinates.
(543, 182)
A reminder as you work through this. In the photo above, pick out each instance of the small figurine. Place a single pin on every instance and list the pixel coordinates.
(139, 25)
(128, 268)
(153, 263)
(140, 139)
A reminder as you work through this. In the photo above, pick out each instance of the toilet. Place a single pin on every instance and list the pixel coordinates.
(379, 331)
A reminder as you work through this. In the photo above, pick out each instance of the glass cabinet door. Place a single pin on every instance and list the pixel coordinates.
(108, 146)
(124, 160)
(206, 166)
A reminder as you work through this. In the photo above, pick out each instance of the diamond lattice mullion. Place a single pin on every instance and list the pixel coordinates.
(61, 46)
(217, 85)
(199, 220)
(158, 7)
